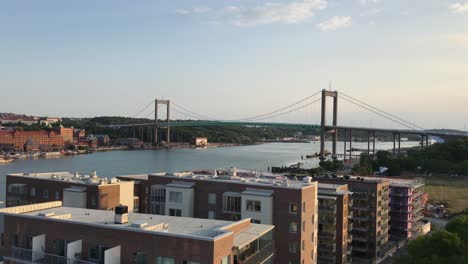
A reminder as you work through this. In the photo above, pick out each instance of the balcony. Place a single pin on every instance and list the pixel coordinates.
(360, 239)
(27, 256)
(261, 256)
(360, 208)
(361, 229)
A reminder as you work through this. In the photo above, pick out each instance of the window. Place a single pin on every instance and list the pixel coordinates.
(175, 212)
(165, 260)
(94, 253)
(303, 245)
(57, 195)
(212, 198)
(190, 262)
(292, 227)
(303, 207)
(254, 206)
(293, 208)
(32, 191)
(303, 226)
(158, 194)
(211, 215)
(45, 194)
(141, 258)
(226, 260)
(293, 246)
(231, 203)
(175, 197)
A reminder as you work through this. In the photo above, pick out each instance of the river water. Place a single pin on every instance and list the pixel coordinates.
(108, 164)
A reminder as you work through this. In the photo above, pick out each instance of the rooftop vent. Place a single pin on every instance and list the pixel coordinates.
(121, 214)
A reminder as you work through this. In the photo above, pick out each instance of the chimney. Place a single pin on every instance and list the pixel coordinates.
(121, 214)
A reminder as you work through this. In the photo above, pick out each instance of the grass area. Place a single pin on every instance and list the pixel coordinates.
(452, 190)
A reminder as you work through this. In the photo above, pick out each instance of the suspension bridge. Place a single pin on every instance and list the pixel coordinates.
(327, 131)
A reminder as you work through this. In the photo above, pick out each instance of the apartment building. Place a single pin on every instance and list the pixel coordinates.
(75, 190)
(406, 207)
(50, 233)
(291, 206)
(370, 214)
(334, 224)
(31, 140)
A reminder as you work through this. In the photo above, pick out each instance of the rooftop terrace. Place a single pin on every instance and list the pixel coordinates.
(92, 179)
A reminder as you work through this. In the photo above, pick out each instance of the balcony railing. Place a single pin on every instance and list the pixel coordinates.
(27, 256)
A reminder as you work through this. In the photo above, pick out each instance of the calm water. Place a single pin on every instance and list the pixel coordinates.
(108, 164)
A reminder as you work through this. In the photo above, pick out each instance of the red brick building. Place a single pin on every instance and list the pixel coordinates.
(233, 195)
(42, 140)
(50, 233)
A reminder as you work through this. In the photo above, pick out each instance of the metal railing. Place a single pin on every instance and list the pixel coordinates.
(22, 255)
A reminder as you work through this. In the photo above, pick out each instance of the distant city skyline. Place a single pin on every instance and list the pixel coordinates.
(238, 58)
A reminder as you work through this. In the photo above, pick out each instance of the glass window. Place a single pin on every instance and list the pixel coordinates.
(231, 203)
(293, 208)
(141, 258)
(226, 260)
(57, 195)
(165, 260)
(303, 207)
(212, 198)
(303, 226)
(211, 215)
(175, 212)
(253, 206)
(46, 193)
(175, 197)
(293, 246)
(292, 227)
(33, 191)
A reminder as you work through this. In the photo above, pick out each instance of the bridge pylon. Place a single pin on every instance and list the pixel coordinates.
(323, 129)
(168, 115)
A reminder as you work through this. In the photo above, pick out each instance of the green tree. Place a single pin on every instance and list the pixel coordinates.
(438, 247)
(459, 226)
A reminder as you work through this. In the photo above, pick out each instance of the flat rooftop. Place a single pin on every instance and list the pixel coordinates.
(342, 179)
(92, 179)
(332, 189)
(410, 183)
(204, 229)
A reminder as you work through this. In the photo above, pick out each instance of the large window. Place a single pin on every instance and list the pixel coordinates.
(232, 203)
(175, 197)
(292, 227)
(293, 246)
(141, 258)
(165, 260)
(293, 208)
(45, 194)
(212, 198)
(175, 212)
(158, 200)
(253, 206)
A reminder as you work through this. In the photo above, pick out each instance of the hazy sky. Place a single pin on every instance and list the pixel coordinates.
(237, 58)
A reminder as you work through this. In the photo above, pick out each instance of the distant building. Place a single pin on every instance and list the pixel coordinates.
(48, 121)
(370, 214)
(79, 133)
(200, 141)
(102, 140)
(407, 203)
(50, 233)
(66, 133)
(235, 194)
(16, 119)
(75, 190)
(335, 224)
(31, 140)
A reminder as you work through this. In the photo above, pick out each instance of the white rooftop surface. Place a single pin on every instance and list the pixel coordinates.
(400, 182)
(69, 177)
(176, 226)
(136, 176)
(253, 181)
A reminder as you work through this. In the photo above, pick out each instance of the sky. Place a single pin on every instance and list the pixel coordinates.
(238, 58)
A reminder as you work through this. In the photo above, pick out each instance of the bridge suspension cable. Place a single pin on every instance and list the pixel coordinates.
(261, 117)
(290, 111)
(191, 113)
(142, 110)
(378, 113)
(381, 111)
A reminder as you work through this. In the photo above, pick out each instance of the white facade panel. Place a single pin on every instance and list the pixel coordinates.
(264, 215)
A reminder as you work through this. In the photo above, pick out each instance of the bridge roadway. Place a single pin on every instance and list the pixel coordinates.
(291, 125)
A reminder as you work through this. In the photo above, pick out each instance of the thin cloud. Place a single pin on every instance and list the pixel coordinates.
(289, 13)
(372, 12)
(294, 12)
(459, 8)
(460, 39)
(335, 23)
(366, 2)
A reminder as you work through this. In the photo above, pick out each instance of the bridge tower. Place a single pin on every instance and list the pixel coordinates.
(323, 130)
(168, 129)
